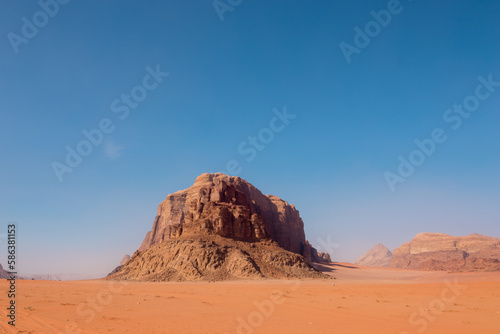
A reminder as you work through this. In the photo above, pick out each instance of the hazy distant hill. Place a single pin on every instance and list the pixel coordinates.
(378, 256)
(58, 277)
(3, 273)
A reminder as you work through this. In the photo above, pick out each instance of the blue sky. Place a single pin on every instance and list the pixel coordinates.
(352, 120)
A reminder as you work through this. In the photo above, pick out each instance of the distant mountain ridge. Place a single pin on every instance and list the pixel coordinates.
(58, 277)
(439, 251)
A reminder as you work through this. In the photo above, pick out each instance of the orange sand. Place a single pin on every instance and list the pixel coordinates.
(362, 301)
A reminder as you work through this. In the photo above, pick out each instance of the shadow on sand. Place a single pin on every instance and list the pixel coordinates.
(330, 268)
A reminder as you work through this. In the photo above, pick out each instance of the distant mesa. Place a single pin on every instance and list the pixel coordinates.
(439, 251)
(378, 256)
(222, 227)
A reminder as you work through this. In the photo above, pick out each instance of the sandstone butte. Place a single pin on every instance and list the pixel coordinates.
(439, 251)
(223, 227)
(378, 256)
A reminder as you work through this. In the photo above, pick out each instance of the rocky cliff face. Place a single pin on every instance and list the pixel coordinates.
(223, 227)
(378, 256)
(438, 251)
(232, 208)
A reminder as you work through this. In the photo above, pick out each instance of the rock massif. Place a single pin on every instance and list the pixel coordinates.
(223, 227)
(378, 256)
(438, 251)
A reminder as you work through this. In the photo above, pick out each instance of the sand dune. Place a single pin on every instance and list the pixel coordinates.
(363, 300)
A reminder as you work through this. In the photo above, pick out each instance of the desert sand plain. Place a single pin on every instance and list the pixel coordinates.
(358, 300)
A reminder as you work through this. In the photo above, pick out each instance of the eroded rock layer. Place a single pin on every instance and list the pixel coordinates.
(214, 258)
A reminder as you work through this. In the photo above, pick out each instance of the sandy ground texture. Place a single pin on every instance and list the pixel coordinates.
(360, 300)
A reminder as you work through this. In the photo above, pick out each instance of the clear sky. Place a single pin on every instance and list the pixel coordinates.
(359, 100)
